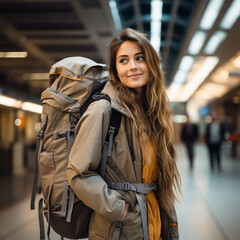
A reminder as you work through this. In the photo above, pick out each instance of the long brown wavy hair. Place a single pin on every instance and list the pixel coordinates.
(153, 116)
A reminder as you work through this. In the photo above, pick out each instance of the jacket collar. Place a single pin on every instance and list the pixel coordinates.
(115, 101)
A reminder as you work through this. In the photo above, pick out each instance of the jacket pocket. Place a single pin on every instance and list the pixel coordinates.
(132, 225)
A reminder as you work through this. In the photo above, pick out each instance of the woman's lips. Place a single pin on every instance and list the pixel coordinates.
(135, 75)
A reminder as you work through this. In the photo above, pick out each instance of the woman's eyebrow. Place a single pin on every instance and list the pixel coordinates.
(140, 53)
(122, 56)
(125, 55)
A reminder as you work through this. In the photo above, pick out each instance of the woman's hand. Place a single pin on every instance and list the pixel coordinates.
(125, 212)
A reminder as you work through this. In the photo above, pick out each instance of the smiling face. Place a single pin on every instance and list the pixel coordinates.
(131, 66)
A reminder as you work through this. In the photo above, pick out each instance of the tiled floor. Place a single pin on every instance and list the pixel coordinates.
(209, 208)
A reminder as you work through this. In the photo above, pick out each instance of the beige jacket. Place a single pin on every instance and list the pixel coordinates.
(82, 173)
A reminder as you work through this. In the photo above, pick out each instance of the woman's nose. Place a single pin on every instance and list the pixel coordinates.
(133, 64)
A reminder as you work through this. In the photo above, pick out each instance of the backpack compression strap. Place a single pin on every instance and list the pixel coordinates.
(36, 181)
(36, 188)
(68, 194)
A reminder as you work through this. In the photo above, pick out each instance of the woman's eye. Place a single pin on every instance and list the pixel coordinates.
(140, 58)
(123, 60)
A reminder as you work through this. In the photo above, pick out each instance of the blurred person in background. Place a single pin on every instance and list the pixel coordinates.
(214, 137)
(189, 136)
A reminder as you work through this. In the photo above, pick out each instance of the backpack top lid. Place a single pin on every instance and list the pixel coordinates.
(73, 81)
(75, 67)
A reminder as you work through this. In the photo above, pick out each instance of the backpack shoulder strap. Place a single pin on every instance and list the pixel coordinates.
(115, 121)
(95, 97)
(116, 116)
(113, 129)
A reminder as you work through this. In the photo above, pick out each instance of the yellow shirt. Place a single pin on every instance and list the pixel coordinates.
(149, 175)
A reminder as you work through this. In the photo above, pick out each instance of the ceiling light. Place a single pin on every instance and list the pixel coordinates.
(13, 54)
(172, 92)
(213, 43)
(27, 106)
(10, 102)
(197, 42)
(231, 15)
(36, 76)
(155, 35)
(186, 63)
(178, 118)
(156, 16)
(236, 61)
(199, 77)
(225, 77)
(230, 82)
(202, 94)
(214, 90)
(224, 74)
(115, 15)
(32, 107)
(210, 14)
(180, 77)
(18, 122)
(156, 10)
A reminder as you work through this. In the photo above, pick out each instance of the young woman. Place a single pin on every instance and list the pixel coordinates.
(136, 198)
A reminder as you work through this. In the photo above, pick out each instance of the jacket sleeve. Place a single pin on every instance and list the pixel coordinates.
(84, 160)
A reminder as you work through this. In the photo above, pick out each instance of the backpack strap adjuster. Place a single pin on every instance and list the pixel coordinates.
(117, 230)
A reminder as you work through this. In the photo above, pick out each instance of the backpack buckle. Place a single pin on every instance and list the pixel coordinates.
(126, 186)
(118, 225)
(154, 186)
(117, 230)
(111, 130)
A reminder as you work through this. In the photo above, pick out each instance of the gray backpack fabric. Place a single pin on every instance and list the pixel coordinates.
(75, 83)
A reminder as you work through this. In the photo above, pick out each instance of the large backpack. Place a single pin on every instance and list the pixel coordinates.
(75, 82)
